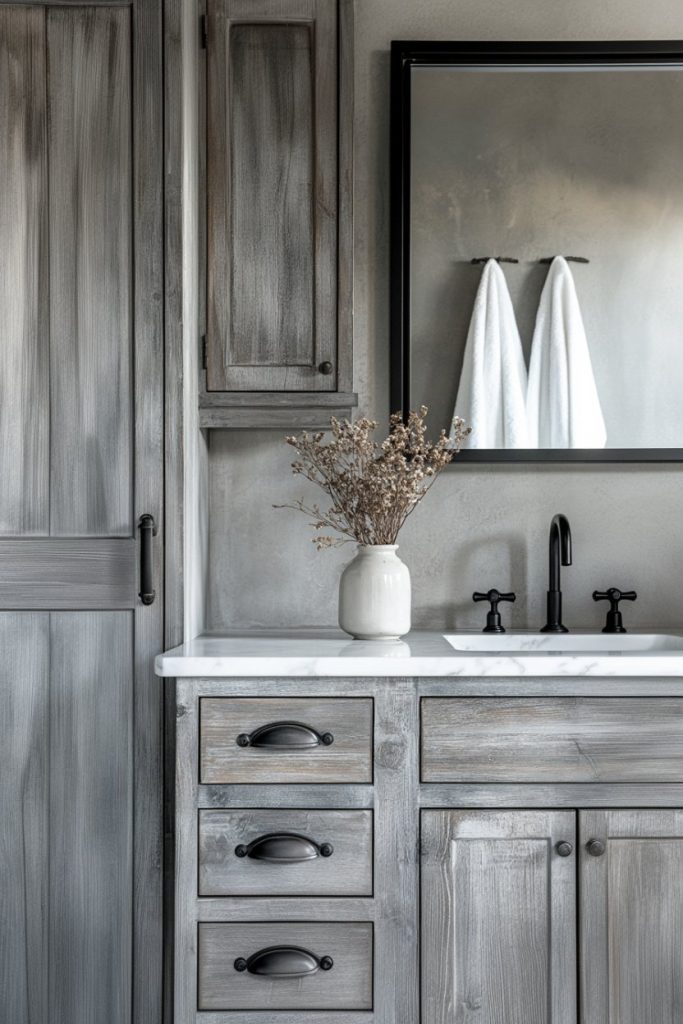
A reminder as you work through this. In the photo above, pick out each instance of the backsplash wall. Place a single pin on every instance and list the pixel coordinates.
(481, 526)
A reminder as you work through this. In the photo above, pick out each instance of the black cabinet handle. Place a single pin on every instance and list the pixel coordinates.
(564, 849)
(326, 368)
(283, 962)
(284, 848)
(284, 736)
(148, 529)
(595, 847)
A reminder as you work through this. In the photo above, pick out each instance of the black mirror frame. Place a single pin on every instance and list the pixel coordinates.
(406, 55)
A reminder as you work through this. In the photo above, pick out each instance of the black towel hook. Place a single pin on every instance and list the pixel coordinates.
(498, 259)
(569, 259)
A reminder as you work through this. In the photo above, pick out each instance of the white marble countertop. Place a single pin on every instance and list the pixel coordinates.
(420, 654)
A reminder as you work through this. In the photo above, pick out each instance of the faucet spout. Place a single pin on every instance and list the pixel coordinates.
(559, 553)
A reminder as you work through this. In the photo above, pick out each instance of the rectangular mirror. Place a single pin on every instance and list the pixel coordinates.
(530, 152)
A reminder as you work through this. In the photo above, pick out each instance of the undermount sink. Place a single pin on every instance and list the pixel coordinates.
(564, 643)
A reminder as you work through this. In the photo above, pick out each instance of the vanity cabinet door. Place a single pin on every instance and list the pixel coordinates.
(498, 917)
(632, 916)
(272, 195)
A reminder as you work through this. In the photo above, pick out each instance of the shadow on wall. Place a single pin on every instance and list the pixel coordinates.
(472, 560)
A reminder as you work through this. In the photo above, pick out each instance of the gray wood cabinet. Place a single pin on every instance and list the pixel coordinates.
(498, 918)
(278, 110)
(81, 458)
(490, 902)
(632, 916)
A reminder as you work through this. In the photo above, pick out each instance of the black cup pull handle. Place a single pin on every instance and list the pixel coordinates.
(284, 848)
(148, 530)
(284, 736)
(283, 962)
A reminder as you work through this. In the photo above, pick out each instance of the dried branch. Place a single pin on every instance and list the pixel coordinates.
(374, 486)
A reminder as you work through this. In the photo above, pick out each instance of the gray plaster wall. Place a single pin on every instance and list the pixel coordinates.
(481, 526)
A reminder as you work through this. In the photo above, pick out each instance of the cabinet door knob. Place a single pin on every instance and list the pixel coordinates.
(564, 849)
(283, 962)
(285, 736)
(595, 847)
(326, 368)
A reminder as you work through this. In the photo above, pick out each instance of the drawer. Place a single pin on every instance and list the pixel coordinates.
(285, 853)
(555, 739)
(279, 966)
(296, 739)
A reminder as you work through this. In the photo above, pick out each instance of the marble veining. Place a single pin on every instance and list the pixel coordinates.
(424, 654)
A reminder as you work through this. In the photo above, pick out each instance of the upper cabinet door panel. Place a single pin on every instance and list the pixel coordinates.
(24, 352)
(90, 159)
(632, 917)
(272, 195)
(498, 918)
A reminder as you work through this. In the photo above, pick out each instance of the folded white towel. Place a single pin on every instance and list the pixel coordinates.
(492, 391)
(563, 405)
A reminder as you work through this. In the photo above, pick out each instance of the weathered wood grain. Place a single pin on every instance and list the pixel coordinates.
(272, 195)
(290, 1017)
(347, 872)
(309, 796)
(285, 417)
(632, 917)
(559, 794)
(24, 784)
(288, 908)
(24, 353)
(68, 3)
(44, 573)
(348, 759)
(148, 482)
(185, 741)
(498, 918)
(596, 739)
(91, 207)
(397, 860)
(345, 290)
(91, 817)
(347, 986)
(93, 75)
(270, 113)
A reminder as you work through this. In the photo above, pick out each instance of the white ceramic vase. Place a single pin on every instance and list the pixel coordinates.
(374, 594)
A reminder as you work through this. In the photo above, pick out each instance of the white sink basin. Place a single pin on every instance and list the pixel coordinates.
(564, 643)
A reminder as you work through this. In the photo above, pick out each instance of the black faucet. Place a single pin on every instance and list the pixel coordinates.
(559, 549)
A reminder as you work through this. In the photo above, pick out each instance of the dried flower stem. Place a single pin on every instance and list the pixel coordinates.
(374, 486)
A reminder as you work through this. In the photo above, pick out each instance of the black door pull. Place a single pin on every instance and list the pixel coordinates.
(284, 848)
(284, 736)
(148, 529)
(283, 962)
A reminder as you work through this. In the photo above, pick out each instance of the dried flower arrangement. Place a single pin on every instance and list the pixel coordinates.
(374, 486)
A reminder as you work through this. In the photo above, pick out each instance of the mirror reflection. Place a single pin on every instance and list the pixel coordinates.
(573, 178)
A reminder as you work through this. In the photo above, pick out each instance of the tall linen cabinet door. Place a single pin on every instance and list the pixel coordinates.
(81, 459)
(498, 917)
(631, 916)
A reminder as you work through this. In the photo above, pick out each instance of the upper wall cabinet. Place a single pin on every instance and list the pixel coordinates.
(278, 184)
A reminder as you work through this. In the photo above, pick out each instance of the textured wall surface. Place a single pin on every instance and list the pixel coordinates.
(481, 526)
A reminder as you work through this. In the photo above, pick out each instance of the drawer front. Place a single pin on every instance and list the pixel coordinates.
(296, 739)
(346, 985)
(285, 853)
(558, 739)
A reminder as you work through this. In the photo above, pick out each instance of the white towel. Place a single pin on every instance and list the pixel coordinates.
(562, 401)
(492, 391)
